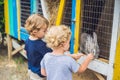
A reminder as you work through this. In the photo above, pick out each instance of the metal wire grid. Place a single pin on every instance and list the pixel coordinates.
(25, 11)
(39, 8)
(97, 16)
(67, 13)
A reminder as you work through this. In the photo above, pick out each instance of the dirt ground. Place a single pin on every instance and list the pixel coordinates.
(16, 69)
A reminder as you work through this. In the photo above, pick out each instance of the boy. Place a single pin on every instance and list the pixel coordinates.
(35, 47)
(56, 65)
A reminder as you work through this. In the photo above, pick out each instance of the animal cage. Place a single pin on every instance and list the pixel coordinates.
(66, 19)
(99, 16)
(21, 9)
(16, 13)
(28, 7)
(25, 8)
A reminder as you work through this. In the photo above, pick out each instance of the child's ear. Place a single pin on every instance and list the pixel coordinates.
(65, 46)
(34, 31)
(62, 44)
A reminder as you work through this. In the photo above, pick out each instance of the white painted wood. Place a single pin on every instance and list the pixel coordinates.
(119, 28)
(113, 39)
(96, 65)
(16, 45)
(45, 9)
(18, 49)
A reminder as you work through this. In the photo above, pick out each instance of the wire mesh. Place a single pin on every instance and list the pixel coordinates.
(25, 11)
(67, 13)
(39, 8)
(97, 16)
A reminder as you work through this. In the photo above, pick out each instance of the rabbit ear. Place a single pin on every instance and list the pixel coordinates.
(96, 44)
(95, 37)
(83, 39)
(90, 43)
(84, 36)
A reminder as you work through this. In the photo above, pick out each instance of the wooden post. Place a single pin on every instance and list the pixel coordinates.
(77, 25)
(60, 12)
(113, 46)
(9, 43)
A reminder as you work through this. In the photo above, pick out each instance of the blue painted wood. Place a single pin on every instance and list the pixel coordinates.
(24, 36)
(33, 5)
(73, 26)
(22, 29)
(23, 33)
(10, 17)
(15, 24)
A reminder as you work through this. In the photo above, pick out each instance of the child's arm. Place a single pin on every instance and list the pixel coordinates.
(74, 56)
(43, 72)
(84, 65)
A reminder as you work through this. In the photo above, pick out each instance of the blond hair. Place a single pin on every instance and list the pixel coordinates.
(35, 22)
(57, 35)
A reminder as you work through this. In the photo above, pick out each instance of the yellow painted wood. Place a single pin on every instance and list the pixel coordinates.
(116, 73)
(60, 12)
(6, 14)
(77, 25)
(18, 16)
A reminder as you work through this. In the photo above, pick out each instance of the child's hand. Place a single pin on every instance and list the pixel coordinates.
(90, 56)
(24, 51)
(77, 56)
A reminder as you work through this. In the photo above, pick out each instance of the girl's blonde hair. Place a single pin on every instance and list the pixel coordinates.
(35, 22)
(57, 35)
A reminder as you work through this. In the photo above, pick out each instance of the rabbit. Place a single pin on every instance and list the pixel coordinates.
(89, 44)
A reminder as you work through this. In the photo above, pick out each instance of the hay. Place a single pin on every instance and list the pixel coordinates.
(53, 6)
(87, 75)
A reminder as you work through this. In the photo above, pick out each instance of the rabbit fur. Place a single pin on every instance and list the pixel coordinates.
(89, 44)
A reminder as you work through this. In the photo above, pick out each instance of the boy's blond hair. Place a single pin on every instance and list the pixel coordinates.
(57, 35)
(35, 22)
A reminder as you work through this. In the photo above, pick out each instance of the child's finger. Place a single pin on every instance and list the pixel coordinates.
(80, 54)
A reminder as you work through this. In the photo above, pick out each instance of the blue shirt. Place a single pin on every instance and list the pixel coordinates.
(35, 49)
(59, 67)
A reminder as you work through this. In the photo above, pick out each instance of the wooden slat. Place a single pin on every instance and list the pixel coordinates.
(77, 25)
(72, 26)
(11, 17)
(60, 12)
(99, 76)
(6, 14)
(18, 15)
(17, 50)
(116, 73)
